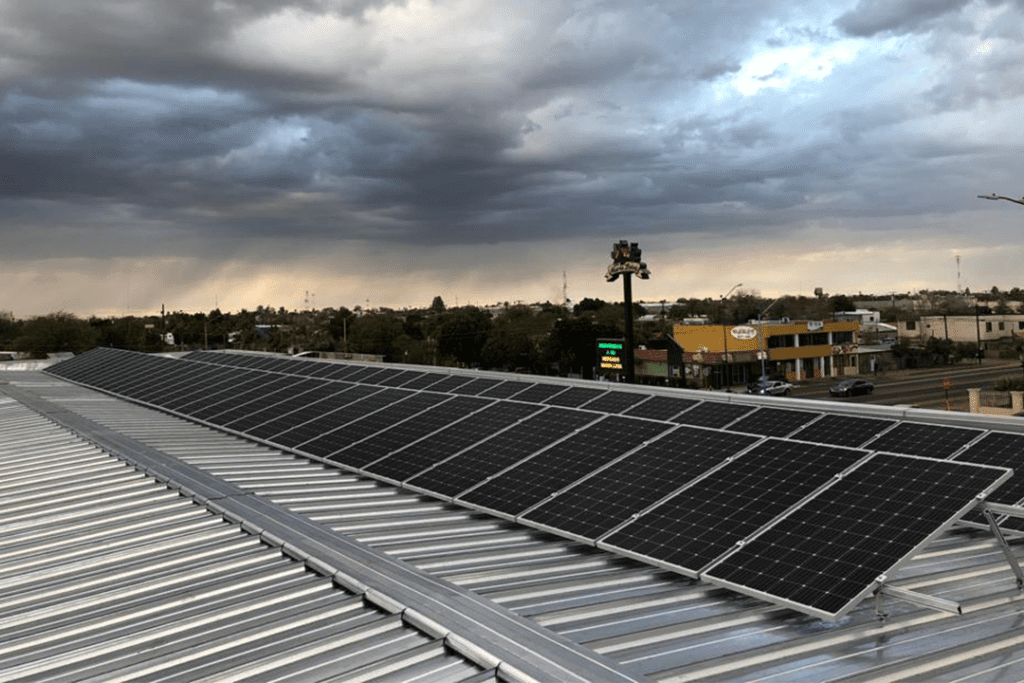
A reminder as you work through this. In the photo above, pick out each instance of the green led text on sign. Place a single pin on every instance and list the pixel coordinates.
(609, 345)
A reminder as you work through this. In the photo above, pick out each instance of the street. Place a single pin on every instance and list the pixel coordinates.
(921, 388)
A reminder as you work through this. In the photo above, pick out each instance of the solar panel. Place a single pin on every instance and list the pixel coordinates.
(1001, 450)
(450, 382)
(402, 434)
(772, 421)
(401, 378)
(238, 396)
(661, 407)
(460, 435)
(913, 438)
(424, 381)
(501, 451)
(599, 503)
(713, 414)
(694, 527)
(842, 430)
(360, 375)
(373, 423)
(825, 557)
(346, 394)
(574, 397)
(614, 401)
(506, 389)
(531, 481)
(287, 389)
(255, 419)
(219, 383)
(341, 371)
(539, 393)
(328, 422)
(477, 386)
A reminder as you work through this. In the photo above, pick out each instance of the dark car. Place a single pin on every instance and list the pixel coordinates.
(851, 387)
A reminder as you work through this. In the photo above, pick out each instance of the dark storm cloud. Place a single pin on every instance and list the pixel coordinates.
(871, 17)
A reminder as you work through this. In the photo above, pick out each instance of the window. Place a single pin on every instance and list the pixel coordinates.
(781, 341)
(911, 324)
(814, 339)
(1002, 326)
(988, 327)
(842, 337)
(1020, 325)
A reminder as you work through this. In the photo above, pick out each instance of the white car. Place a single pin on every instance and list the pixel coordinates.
(771, 388)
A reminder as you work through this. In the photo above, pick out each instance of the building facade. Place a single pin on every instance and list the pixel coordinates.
(798, 349)
(968, 329)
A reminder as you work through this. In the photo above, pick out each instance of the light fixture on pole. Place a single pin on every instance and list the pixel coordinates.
(626, 262)
(725, 339)
(999, 196)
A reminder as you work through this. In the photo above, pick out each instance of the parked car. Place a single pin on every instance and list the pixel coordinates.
(851, 387)
(753, 387)
(770, 388)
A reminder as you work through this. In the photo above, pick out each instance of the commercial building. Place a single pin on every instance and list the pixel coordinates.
(987, 329)
(800, 350)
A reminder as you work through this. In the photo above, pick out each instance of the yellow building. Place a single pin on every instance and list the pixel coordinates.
(800, 350)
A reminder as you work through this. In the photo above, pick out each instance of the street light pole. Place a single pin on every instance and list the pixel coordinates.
(995, 196)
(760, 337)
(725, 341)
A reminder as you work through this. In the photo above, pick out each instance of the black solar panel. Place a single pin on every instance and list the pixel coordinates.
(373, 423)
(539, 393)
(599, 503)
(574, 397)
(934, 441)
(342, 371)
(238, 397)
(220, 383)
(287, 389)
(700, 523)
(713, 414)
(476, 387)
(530, 482)
(842, 430)
(431, 450)
(254, 420)
(328, 422)
(346, 394)
(1002, 450)
(506, 389)
(361, 374)
(661, 407)
(501, 451)
(401, 378)
(614, 401)
(450, 382)
(404, 433)
(772, 421)
(824, 557)
(425, 380)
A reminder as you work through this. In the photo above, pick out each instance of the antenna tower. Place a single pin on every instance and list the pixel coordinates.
(565, 290)
(958, 290)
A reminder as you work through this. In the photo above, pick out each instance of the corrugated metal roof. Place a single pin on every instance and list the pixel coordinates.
(107, 574)
(648, 620)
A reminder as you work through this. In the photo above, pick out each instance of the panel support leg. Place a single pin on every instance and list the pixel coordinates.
(1007, 551)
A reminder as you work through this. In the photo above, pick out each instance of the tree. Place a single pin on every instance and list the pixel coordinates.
(462, 333)
(437, 305)
(55, 333)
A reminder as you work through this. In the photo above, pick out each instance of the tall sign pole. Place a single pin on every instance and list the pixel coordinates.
(626, 262)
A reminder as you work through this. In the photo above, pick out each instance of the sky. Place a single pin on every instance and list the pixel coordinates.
(312, 153)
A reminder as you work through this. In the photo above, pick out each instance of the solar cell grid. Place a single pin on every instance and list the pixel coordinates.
(373, 423)
(344, 395)
(220, 380)
(773, 421)
(341, 371)
(713, 414)
(826, 555)
(599, 503)
(531, 481)
(661, 407)
(614, 401)
(350, 412)
(426, 380)
(401, 378)
(501, 451)
(243, 393)
(458, 436)
(154, 371)
(383, 376)
(182, 377)
(476, 387)
(267, 364)
(290, 388)
(391, 439)
(309, 368)
(930, 440)
(507, 389)
(359, 375)
(842, 430)
(450, 382)
(574, 397)
(256, 418)
(539, 393)
(323, 370)
(207, 376)
(1000, 449)
(694, 527)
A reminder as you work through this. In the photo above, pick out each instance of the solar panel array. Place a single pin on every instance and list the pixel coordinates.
(679, 482)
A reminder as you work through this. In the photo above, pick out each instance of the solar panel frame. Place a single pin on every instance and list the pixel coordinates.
(611, 495)
(477, 386)
(714, 414)
(1003, 449)
(532, 480)
(843, 430)
(614, 402)
(507, 389)
(402, 378)
(662, 408)
(772, 421)
(359, 376)
(427, 380)
(450, 382)
(853, 538)
(502, 451)
(928, 440)
(539, 393)
(689, 530)
(574, 397)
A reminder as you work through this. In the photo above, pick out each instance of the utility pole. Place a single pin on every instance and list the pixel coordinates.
(626, 262)
(725, 341)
